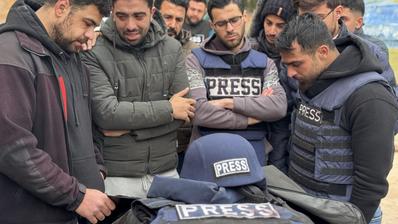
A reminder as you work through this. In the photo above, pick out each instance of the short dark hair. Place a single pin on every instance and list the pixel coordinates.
(203, 1)
(219, 4)
(182, 3)
(308, 5)
(308, 30)
(354, 5)
(103, 6)
(150, 3)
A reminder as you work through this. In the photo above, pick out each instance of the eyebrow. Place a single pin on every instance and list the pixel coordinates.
(91, 22)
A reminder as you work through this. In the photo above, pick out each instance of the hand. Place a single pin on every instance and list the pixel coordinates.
(115, 133)
(267, 92)
(95, 206)
(251, 121)
(183, 108)
(91, 42)
(227, 103)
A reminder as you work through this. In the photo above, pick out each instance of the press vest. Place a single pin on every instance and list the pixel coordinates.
(246, 78)
(321, 157)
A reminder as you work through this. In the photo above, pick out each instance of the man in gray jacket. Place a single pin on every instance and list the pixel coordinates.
(237, 88)
(138, 83)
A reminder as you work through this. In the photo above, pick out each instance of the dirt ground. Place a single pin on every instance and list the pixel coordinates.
(390, 203)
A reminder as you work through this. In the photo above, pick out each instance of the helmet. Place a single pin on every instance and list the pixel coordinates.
(228, 160)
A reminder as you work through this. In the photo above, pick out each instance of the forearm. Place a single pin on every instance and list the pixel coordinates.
(264, 108)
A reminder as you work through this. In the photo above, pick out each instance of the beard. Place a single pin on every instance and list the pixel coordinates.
(172, 32)
(58, 35)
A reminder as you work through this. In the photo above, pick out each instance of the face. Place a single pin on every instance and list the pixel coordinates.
(229, 25)
(352, 19)
(302, 66)
(132, 19)
(196, 11)
(173, 16)
(329, 16)
(273, 26)
(76, 27)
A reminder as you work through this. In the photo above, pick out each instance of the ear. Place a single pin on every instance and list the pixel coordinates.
(323, 51)
(359, 23)
(244, 16)
(338, 11)
(62, 8)
(211, 24)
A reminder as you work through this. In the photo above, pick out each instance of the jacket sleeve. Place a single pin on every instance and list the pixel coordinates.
(111, 114)
(206, 114)
(20, 158)
(372, 144)
(178, 83)
(265, 108)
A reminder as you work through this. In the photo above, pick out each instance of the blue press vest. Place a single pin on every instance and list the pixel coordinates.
(321, 157)
(223, 80)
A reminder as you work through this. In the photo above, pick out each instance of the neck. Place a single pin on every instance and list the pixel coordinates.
(44, 16)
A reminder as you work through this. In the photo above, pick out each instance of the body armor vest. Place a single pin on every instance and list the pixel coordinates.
(321, 157)
(238, 79)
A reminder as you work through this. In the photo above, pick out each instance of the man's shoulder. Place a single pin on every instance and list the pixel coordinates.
(171, 43)
(374, 91)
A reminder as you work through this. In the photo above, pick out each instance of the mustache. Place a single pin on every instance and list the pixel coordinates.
(131, 31)
(171, 32)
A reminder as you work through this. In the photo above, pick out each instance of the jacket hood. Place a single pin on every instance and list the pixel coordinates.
(156, 33)
(355, 57)
(214, 46)
(22, 17)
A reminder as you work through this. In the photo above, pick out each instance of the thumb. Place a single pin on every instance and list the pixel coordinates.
(182, 92)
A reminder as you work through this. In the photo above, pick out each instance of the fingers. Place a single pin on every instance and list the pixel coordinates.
(182, 92)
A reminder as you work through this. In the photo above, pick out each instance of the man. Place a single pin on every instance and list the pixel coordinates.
(330, 12)
(352, 15)
(138, 82)
(195, 22)
(236, 88)
(268, 21)
(337, 125)
(173, 12)
(49, 170)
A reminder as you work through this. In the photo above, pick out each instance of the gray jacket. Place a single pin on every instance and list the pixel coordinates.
(131, 87)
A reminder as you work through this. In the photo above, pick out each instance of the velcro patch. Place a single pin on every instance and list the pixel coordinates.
(231, 167)
(238, 211)
(220, 86)
(310, 114)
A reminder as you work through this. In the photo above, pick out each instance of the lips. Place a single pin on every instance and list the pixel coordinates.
(131, 36)
(231, 37)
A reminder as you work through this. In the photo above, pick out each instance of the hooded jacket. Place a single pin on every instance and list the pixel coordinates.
(131, 87)
(361, 116)
(47, 156)
(263, 108)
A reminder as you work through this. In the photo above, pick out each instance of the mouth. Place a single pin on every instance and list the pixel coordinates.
(132, 36)
(232, 37)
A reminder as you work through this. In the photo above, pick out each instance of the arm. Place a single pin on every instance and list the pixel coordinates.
(111, 114)
(372, 143)
(264, 107)
(20, 158)
(207, 114)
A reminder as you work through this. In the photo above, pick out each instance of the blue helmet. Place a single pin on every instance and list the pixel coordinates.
(228, 160)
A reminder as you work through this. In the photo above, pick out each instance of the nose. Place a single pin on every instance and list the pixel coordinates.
(229, 27)
(171, 23)
(291, 72)
(272, 30)
(131, 25)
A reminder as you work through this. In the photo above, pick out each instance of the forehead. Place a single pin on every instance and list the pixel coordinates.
(196, 5)
(321, 9)
(130, 6)
(230, 10)
(274, 19)
(170, 8)
(89, 12)
(294, 55)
